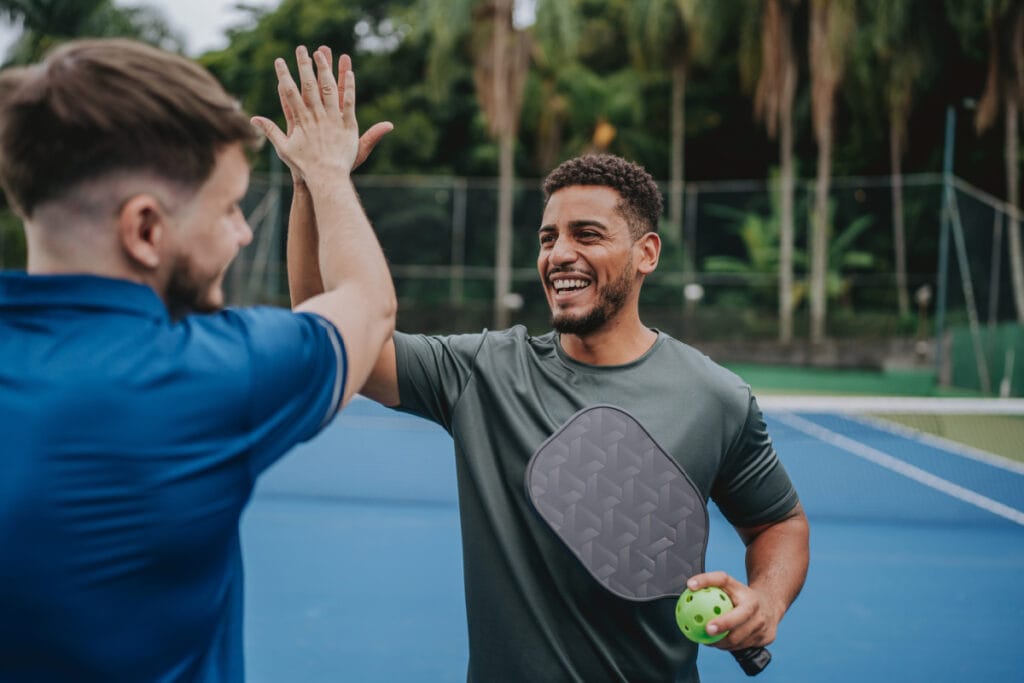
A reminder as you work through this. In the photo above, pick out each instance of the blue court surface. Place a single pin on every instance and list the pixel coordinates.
(354, 572)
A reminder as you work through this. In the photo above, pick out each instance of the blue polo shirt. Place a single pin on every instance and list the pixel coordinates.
(129, 445)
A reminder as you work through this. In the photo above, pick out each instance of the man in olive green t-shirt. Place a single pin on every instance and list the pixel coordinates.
(534, 611)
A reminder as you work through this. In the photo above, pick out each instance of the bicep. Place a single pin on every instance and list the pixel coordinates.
(382, 385)
(363, 327)
(793, 523)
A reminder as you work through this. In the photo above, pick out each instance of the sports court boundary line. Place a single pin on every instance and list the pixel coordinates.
(946, 444)
(898, 466)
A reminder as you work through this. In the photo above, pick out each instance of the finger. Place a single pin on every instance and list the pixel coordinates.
(717, 578)
(348, 102)
(307, 80)
(289, 115)
(269, 128)
(731, 620)
(369, 140)
(344, 66)
(289, 92)
(328, 88)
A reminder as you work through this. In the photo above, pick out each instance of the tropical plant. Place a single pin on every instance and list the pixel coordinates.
(1004, 88)
(832, 26)
(500, 52)
(773, 57)
(46, 23)
(759, 235)
(893, 50)
(674, 35)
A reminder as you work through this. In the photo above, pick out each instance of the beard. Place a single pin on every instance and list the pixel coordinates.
(610, 300)
(188, 293)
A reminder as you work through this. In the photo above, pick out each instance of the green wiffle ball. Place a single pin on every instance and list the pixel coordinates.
(695, 609)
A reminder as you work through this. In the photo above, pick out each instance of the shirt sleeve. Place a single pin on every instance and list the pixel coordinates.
(298, 370)
(433, 373)
(752, 486)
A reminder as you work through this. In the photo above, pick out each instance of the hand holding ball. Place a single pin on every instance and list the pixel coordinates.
(696, 608)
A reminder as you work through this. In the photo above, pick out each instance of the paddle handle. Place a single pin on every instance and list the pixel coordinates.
(752, 660)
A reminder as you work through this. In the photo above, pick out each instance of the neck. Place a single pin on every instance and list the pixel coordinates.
(83, 252)
(617, 343)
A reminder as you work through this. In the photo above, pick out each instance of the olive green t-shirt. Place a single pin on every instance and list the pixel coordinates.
(534, 612)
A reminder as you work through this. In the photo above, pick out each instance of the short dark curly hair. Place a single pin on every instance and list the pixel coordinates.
(641, 198)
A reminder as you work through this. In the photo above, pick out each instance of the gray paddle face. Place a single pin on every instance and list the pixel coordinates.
(620, 503)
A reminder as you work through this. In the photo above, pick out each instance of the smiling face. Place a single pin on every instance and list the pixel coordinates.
(589, 262)
(211, 229)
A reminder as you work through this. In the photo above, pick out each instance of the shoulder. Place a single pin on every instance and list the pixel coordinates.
(715, 381)
(263, 335)
(255, 323)
(513, 340)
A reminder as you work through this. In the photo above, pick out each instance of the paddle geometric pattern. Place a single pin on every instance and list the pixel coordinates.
(620, 504)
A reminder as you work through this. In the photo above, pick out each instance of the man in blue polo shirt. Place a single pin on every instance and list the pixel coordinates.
(135, 415)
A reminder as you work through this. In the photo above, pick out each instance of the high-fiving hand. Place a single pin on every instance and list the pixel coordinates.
(321, 141)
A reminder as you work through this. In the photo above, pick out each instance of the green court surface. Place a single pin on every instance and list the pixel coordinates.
(1001, 434)
(776, 379)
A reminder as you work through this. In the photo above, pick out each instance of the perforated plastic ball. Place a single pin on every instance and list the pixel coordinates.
(696, 608)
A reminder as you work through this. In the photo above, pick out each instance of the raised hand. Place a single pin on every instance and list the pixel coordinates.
(375, 132)
(322, 138)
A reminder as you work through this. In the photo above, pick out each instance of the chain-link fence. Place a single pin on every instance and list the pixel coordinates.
(438, 234)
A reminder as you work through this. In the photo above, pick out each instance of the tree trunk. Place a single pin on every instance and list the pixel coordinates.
(1013, 198)
(787, 182)
(503, 247)
(899, 239)
(677, 158)
(820, 237)
(506, 169)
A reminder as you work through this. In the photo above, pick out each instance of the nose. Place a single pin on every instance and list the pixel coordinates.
(244, 233)
(562, 251)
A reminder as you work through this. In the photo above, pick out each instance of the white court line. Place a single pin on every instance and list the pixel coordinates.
(940, 442)
(893, 404)
(896, 465)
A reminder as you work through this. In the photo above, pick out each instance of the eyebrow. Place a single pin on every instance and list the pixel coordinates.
(583, 223)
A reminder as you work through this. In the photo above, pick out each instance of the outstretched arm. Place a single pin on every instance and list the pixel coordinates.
(321, 148)
(304, 279)
(777, 557)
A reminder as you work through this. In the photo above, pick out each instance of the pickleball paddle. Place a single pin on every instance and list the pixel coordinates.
(625, 509)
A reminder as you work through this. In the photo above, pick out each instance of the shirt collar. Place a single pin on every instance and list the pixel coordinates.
(21, 290)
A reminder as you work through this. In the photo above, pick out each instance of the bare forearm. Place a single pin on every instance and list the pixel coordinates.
(321, 147)
(304, 279)
(777, 559)
(348, 250)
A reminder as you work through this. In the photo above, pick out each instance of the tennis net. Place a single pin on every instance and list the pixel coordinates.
(933, 460)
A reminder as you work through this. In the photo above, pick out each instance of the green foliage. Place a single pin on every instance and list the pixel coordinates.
(47, 23)
(12, 241)
(759, 262)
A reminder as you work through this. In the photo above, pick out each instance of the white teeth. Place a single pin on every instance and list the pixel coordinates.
(561, 285)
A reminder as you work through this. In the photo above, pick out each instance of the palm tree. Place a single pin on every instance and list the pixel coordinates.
(556, 34)
(501, 58)
(832, 24)
(674, 34)
(1005, 86)
(774, 59)
(895, 34)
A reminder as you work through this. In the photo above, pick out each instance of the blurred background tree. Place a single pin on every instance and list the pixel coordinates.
(46, 23)
(694, 90)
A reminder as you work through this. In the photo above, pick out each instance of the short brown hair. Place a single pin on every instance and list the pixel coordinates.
(95, 107)
(641, 198)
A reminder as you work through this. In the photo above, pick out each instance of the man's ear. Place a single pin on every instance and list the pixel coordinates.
(650, 252)
(142, 229)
